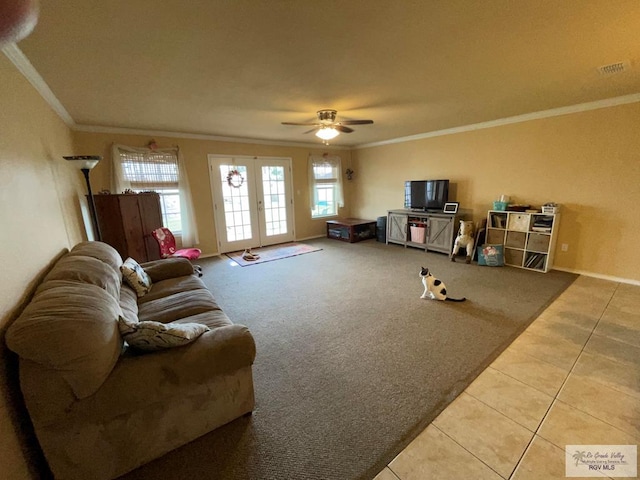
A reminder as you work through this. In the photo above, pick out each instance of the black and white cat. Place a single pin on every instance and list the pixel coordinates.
(434, 288)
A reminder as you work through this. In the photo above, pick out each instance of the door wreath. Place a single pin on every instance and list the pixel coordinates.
(235, 179)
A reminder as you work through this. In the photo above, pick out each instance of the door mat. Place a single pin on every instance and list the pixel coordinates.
(273, 252)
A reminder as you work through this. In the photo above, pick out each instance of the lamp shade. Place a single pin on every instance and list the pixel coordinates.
(327, 133)
(84, 161)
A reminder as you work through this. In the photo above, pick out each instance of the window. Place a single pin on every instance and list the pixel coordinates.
(325, 183)
(158, 172)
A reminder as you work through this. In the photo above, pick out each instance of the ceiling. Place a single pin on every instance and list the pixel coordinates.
(238, 68)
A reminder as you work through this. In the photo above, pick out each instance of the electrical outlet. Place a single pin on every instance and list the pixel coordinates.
(565, 247)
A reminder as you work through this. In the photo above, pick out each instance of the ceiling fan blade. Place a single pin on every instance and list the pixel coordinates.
(343, 129)
(296, 123)
(312, 130)
(356, 122)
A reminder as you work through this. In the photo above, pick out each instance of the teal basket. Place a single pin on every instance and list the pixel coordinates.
(497, 205)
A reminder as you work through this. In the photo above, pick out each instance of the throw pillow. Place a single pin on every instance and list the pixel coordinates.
(151, 336)
(491, 255)
(136, 277)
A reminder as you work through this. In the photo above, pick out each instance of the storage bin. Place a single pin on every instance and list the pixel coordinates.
(513, 257)
(515, 239)
(538, 242)
(498, 205)
(495, 236)
(417, 234)
(549, 209)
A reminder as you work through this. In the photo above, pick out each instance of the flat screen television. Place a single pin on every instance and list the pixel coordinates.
(426, 195)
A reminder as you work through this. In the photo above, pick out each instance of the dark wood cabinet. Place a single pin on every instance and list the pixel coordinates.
(126, 222)
(351, 229)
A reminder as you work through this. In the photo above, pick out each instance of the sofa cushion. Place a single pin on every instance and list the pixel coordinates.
(129, 303)
(177, 306)
(136, 277)
(151, 336)
(72, 329)
(167, 268)
(172, 286)
(101, 251)
(87, 270)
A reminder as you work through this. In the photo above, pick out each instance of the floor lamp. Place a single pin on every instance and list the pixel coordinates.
(85, 163)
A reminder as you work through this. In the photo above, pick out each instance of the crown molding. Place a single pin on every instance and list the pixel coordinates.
(198, 136)
(554, 112)
(22, 63)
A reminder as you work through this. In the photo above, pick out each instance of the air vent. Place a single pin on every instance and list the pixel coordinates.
(613, 68)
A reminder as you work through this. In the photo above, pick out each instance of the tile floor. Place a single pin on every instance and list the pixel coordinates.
(573, 377)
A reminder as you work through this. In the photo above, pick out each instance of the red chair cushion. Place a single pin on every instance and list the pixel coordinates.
(167, 244)
(190, 253)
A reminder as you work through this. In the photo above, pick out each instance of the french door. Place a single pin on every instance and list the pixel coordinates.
(252, 201)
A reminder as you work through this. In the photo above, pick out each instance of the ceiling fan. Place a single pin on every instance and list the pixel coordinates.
(327, 128)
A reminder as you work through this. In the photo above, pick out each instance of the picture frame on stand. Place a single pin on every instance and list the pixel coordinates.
(450, 207)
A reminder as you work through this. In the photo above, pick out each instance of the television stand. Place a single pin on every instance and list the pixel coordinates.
(431, 231)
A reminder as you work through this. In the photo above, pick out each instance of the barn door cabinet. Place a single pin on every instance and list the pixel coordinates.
(430, 231)
(126, 222)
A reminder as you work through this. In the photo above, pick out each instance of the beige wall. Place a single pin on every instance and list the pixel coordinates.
(39, 217)
(195, 155)
(589, 162)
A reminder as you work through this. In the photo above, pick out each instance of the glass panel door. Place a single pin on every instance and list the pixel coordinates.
(252, 201)
(274, 206)
(236, 202)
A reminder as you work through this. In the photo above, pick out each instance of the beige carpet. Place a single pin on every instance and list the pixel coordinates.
(351, 363)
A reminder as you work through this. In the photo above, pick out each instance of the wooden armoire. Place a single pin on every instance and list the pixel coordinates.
(126, 222)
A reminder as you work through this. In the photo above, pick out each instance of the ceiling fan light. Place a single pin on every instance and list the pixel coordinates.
(327, 133)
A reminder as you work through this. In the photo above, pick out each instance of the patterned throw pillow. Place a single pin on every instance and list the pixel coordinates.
(491, 255)
(136, 277)
(151, 336)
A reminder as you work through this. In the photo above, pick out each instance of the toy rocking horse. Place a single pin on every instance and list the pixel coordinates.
(464, 239)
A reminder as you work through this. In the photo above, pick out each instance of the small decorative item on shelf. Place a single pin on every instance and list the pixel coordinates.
(128, 191)
(235, 178)
(502, 204)
(104, 192)
(450, 207)
(550, 208)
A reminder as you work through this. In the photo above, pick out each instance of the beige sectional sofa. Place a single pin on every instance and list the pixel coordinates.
(101, 408)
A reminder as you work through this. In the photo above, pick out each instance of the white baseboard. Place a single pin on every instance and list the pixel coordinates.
(310, 238)
(218, 254)
(611, 278)
(209, 255)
